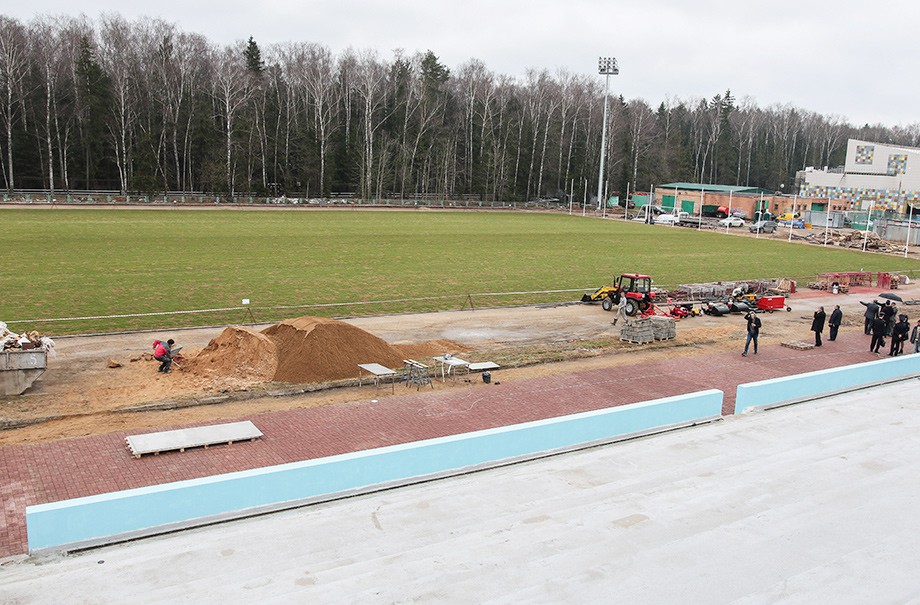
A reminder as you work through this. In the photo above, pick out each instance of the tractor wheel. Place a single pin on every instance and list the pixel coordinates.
(631, 307)
(607, 304)
(788, 309)
(643, 305)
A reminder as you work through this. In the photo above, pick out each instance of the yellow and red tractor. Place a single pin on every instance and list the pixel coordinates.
(637, 289)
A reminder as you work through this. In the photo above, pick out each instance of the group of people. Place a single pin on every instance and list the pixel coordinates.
(881, 324)
(833, 323)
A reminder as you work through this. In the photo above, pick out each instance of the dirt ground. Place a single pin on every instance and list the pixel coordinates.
(81, 395)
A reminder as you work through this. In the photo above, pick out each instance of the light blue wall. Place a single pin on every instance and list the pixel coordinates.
(144, 511)
(823, 382)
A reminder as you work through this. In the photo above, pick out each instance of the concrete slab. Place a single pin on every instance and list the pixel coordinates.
(199, 436)
(804, 504)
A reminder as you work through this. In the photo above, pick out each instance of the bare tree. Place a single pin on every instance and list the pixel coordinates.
(641, 133)
(230, 87)
(13, 70)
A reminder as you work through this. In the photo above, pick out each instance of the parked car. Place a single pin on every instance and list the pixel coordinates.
(666, 219)
(763, 227)
(732, 221)
(740, 214)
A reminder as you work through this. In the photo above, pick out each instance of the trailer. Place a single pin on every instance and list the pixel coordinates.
(20, 368)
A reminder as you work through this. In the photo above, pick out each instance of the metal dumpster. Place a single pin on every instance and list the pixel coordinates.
(19, 369)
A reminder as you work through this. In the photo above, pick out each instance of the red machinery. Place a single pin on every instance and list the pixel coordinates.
(637, 289)
(772, 303)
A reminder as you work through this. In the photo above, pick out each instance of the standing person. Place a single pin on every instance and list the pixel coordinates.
(888, 310)
(915, 337)
(817, 325)
(834, 322)
(162, 352)
(878, 333)
(898, 336)
(871, 314)
(621, 310)
(753, 331)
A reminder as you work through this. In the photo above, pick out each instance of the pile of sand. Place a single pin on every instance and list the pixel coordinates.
(314, 349)
(238, 352)
(301, 350)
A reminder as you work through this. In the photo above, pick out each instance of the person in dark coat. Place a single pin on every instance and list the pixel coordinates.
(888, 311)
(898, 336)
(871, 314)
(878, 333)
(817, 325)
(833, 322)
(915, 337)
(753, 331)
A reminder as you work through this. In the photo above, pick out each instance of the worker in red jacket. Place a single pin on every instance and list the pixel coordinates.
(162, 352)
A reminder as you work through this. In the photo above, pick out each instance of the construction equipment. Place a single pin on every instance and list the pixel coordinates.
(599, 294)
(772, 303)
(637, 289)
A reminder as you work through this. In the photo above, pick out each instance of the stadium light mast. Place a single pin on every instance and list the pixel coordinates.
(606, 66)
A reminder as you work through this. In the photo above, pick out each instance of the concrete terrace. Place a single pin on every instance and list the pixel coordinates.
(47, 472)
(812, 503)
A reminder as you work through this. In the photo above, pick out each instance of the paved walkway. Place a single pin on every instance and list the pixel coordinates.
(813, 503)
(48, 472)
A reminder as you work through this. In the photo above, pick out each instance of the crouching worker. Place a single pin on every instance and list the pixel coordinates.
(162, 352)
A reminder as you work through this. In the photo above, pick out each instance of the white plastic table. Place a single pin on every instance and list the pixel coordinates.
(448, 364)
(377, 371)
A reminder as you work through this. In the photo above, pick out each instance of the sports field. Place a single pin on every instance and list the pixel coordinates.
(88, 262)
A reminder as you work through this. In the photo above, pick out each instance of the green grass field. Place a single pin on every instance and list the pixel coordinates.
(72, 263)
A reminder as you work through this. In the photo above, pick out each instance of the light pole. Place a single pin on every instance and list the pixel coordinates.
(606, 66)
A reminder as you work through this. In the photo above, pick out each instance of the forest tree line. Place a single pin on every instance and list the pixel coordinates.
(142, 106)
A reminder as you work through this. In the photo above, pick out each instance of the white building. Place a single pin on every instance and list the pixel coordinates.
(876, 176)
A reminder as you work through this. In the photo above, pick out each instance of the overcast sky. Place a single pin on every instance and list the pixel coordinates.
(856, 59)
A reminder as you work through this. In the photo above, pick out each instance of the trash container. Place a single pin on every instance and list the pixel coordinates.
(487, 377)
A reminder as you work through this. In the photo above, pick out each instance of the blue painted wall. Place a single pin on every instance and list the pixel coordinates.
(103, 518)
(822, 382)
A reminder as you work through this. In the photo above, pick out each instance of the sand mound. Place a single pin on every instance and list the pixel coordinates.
(313, 349)
(429, 348)
(239, 352)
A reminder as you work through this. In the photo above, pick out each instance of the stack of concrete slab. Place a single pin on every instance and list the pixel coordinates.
(638, 331)
(665, 327)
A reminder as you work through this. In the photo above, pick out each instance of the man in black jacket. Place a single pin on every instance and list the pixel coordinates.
(888, 311)
(817, 325)
(753, 331)
(833, 322)
(871, 314)
(878, 333)
(898, 336)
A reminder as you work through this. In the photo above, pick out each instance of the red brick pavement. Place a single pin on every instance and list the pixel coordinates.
(48, 472)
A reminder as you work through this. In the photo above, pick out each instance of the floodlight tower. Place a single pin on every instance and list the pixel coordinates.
(606, 66)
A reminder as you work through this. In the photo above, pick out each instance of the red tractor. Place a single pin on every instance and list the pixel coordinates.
(638, 292)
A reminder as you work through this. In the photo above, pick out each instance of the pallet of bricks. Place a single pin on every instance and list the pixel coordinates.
(647, 329)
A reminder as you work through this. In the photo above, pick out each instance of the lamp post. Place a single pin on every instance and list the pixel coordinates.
(606, 66)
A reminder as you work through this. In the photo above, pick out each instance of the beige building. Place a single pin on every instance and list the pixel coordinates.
(875, 176)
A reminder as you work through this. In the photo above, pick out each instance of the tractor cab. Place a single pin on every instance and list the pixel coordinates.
(637, 289)
(632, 283)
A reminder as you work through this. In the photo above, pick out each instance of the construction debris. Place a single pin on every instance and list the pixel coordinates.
(26, 341)
(856, 239)
(798, 345)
